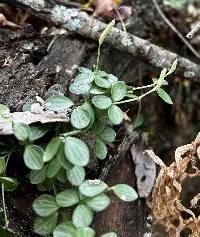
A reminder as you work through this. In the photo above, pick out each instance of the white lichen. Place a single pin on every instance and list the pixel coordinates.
(189, 74)
(66, 17)
(126, 41)
(35, 4)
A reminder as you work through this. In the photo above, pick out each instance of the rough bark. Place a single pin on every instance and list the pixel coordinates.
(78, 22)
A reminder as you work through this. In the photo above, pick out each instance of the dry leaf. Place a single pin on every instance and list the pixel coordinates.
(110, 9)
(145, 168)
(169, 206)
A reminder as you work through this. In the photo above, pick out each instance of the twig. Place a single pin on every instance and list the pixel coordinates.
(82, 24)
(194, 31)
(6, 128)
(121, 152)
(192, 49)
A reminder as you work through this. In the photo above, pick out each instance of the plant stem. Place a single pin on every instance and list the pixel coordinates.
(126, 101)
(71, 133)
(143, 87)
(4, 206)
(98, 56)
(137, 98)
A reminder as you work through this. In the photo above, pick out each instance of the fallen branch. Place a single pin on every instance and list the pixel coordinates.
(80, 23)
(36, 115)
(122, 151)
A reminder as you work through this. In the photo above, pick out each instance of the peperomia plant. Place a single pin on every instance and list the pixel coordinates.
(57, 167)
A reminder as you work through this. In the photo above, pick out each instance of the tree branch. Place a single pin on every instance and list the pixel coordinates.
(78, 22)
(37, 114)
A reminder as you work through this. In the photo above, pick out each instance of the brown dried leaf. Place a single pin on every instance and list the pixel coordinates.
(109, 9)
(167, 205)
(145, 168)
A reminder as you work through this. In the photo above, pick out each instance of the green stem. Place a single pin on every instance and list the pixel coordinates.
(3, 193)
(143, 87)
(4, 206)
(137, 98)
(126, 101)
(98, 57)
(71, 133)
(157, 85)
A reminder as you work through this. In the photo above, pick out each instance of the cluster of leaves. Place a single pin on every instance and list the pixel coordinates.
(60, 167)
(57, 166)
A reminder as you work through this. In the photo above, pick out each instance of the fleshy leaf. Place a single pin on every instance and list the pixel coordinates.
(101, 101)
(115, 114)
(33, 157)
(76, 151)
(82, 216)
(91, 188)
(125, 192)
(58, 103)
(45, 205)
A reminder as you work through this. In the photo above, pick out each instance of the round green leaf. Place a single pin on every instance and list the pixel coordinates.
(107, 135)
(37, 132)
(80, 118)
(45, 226)
(84, 77)
(84, 232)
(101, 101)
(45, 205)
(115, 114)
(64, 229)
(110, 234)
(100, 149)
(21, 131)
(53, 168)
(88, 108)
(67, 198)
(2, 165)
(112, 79)
(58, 103)
(80, 88)
(33, 157)
(76, 175)
(98, 203)
(10, 184)
(91, 188)
(38, 176)
(76, 151)
(100, 73)
(125, 192)
(97, 91)
(101, 82)
(82, 216)
(51, 149)
(118, 91)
